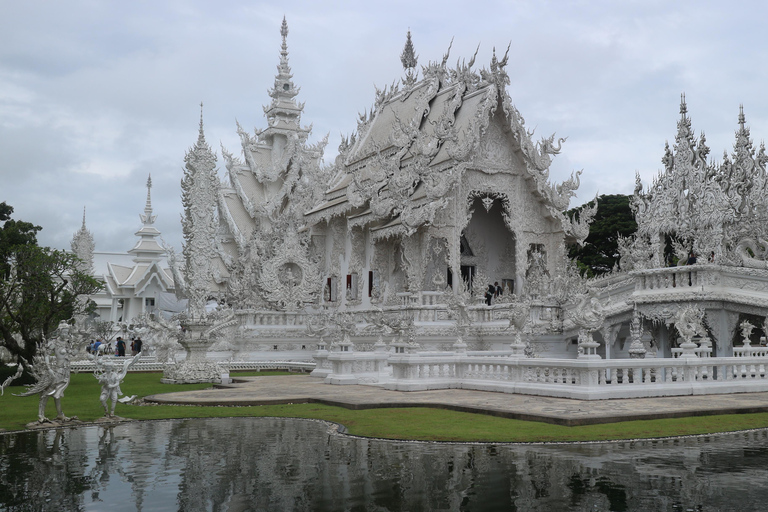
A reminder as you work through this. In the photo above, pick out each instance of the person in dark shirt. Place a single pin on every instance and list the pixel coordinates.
(691, 261)
(120, 346)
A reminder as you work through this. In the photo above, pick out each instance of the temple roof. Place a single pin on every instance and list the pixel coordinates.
(422, 130)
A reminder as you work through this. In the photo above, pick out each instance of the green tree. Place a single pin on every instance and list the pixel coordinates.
(39, 287)
(13, 233)
(601, 250)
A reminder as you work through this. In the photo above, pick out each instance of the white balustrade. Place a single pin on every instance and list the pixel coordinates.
(750, 351)
(582, 379)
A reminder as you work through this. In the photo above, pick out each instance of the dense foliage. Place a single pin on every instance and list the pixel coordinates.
(39, 287)
(13, 233)
(601, 250)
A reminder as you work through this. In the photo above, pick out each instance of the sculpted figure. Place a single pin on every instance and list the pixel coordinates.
(110, 375)
(588, 314)
(51, 373)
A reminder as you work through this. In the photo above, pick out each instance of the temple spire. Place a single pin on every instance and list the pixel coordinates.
(199, 196)
(283, 112)
(147, 248)
(201, 133)
(147, 217)
(83, 246)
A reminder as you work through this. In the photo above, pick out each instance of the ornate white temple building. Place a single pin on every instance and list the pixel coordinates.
(385, 257)
(135, 282)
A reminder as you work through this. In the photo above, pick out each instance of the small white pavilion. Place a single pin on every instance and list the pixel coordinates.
(136, 282)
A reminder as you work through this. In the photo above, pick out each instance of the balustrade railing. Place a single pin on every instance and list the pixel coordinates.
(718, 279)
(426, 308)
(750, 351)
(150, 364)
(593, 379)
(699, 351)
(689, 276)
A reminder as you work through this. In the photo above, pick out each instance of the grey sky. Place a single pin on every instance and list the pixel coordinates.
(95, 95)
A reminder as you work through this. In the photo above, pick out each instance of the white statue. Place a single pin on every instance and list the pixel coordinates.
(50, 368)
(110, 375)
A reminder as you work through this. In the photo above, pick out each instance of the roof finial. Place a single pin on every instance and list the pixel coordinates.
(408, 57)
(284, 33)
(683, 107)
(83, 217)
(742, 120)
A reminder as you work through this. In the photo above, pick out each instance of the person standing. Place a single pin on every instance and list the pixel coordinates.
(120, 347)
(691, 261)
(137, 345)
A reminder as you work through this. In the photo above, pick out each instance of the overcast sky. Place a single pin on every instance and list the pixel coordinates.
(96, 95)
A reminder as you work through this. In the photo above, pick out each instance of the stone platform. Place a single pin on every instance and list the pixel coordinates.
(560, 411)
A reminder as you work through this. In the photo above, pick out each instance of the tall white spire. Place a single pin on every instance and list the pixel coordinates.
(147, 218)
(147, 249)
(199, 195)
(83, 246)
(283, 113)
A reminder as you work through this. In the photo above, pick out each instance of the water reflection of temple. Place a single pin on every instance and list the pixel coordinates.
(276, 464)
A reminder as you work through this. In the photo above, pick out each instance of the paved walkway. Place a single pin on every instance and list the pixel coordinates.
(561, 411)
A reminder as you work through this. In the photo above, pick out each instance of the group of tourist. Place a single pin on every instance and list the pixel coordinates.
(494, 291)
(98, 347)
(692, 260)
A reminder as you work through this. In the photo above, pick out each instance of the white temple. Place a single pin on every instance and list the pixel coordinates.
(135, 282)
(382, 260)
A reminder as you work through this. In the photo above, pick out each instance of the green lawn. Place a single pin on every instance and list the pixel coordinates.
(81, 399)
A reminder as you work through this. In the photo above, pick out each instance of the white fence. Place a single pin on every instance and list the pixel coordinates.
(581, 379)
(149, 364)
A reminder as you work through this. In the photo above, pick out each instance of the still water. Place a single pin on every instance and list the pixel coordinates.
(242, 464)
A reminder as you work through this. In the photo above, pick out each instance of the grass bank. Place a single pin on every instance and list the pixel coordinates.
(82, 400)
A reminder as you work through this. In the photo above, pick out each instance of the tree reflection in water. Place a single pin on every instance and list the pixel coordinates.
(282, 464)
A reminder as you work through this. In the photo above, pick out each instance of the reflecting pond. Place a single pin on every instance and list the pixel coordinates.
(238, 464)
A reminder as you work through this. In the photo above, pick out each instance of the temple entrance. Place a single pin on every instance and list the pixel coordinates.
(487, 245)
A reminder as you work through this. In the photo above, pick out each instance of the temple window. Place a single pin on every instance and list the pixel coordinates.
(373, 281)
(352, 286)
(332, 290)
